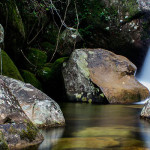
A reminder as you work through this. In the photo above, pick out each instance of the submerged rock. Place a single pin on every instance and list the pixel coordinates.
(90, 71)
(41, 109)
(16, 130)
(145, 113)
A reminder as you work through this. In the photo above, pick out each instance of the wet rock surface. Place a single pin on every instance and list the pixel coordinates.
(16, 130)
(89, 72)
(145, 113)
(41, 109)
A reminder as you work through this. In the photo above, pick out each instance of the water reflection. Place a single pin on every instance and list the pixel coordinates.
(145, 132)
(114, 127)
(95, 127)
(51, 136)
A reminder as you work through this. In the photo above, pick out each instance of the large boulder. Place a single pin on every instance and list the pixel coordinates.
(41, 109)
(89, 72)
(16, 130)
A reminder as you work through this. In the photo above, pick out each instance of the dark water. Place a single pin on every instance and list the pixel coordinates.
(99, 127)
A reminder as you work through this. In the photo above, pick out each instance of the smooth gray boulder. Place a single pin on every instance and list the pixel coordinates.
(41, 109)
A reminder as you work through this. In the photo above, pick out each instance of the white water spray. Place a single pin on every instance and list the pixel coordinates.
(144, 75)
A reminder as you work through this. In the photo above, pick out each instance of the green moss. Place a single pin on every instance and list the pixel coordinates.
(30, 78)
(84, 99)
(30, 133)
(48, 47)
(58, 64)
(3, 143)
(45, 73)
(9, 68)
(12, 130)
(37, 57)
(50, 73)
(14, 17)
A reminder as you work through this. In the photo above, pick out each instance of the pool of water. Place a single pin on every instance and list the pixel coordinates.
(99, 127)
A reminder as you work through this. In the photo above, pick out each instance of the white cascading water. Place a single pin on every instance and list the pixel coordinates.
(144, 75)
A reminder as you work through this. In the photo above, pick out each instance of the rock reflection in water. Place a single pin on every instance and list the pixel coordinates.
(51, 136)
(145, 132)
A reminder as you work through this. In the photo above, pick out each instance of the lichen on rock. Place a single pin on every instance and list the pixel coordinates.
(93, 74)
(40, 108)
(77, 80)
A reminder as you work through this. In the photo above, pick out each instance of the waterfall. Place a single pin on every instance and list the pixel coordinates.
(144, 75)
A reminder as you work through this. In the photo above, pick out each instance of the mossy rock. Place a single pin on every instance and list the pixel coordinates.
(48, 47)
(45, 73)
(30, 78)
(36, 57)
(53, 80)
(13, 16)
(8, 68)
(30, 133)
(50, 73)
(3, 143)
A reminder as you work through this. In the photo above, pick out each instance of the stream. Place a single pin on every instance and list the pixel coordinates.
(106, 127)
(95, 127)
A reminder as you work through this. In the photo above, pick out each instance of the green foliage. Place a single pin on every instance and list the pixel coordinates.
(37, 8)
(9, 68)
